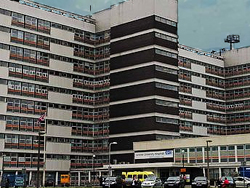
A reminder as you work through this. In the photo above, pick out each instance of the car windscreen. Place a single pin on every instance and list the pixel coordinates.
(200, 179)
(229, 178)
(150, 178)
(173, 178)
(110, 179)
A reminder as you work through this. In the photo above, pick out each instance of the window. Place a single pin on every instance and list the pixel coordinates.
(5, 12)
(166, 120)
(166, 86)
(165, 21)
(223, 148)
(30, 39)
(166, 37)
(166, 70)
(16, 53)
(240, 147)
(44, 26)
(43, 58)
(167, 103)
(29, 56)
(43, 42)
(165, 53)
(18, 19)
(230, 147)
(4, 29)
(30, 23)
(16, 36)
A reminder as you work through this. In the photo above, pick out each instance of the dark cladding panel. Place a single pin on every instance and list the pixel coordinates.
(132, 43)
(139, 42)
(132, 75)
(132, 27)
(140, 74)
(140, 124)
(140, 25)
(140, 58)
(166, 60)
(132, 59)
(126, 143)
(120, 158)
(142, 90)
(141, 107)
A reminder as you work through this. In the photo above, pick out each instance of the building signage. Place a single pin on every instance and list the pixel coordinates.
(154, 154)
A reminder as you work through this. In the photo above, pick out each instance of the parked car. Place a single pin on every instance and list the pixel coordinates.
(239, 182)
(113, 182)
(151, 181)
(200, 181)
(50, 182)
(174, 181)
(127, 182)
(230, 179)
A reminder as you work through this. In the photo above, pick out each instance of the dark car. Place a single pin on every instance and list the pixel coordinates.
(230, 179)
(200, 182)
(49, 183)
(174, 181)
(113, 182)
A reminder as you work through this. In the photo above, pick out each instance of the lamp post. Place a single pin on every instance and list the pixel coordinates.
(38, 158)
(2, 173)
(109, 168)
(208, 178)
(93, 170)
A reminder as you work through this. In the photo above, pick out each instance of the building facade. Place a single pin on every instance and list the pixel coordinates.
(116, 76)
(143, 72)
(214, 92)
(53, 63)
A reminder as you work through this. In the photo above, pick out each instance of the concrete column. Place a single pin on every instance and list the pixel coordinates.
(219, 155)
(236, 169)
(2, 169)
(44, 177)
(188, 161)
(79, 178)
(220, 174)
(16, 172)
(236, 156)
(203, 154)
(30, 177)
(56, 178)
(89, 176)
(204, 171)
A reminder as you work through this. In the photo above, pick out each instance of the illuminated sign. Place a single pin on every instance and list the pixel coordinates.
(155, 154)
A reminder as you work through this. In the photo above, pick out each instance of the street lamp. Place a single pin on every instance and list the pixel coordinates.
(109, 168)
(208, 179)
(38, 158)
(3, 155)
(93, 170)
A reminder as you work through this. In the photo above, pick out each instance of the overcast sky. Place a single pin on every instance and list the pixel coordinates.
(203, 24)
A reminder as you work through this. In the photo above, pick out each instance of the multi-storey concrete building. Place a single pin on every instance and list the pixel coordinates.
(143, 72)
(125, 60)
(52, 62)
(213, 92)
